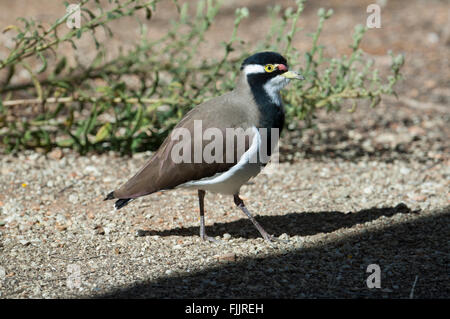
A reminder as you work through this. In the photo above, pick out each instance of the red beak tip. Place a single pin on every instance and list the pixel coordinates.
(282, 67)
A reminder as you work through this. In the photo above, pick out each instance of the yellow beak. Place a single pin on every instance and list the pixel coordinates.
(293, 75)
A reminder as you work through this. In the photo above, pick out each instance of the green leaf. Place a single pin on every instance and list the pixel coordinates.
(60, 65)
(103, 132)
(44, 61)
(148, 13)
(65, 143)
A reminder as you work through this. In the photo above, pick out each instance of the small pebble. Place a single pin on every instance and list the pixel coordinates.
(227, 257)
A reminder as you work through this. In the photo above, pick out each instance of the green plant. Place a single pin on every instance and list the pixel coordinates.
(95, 108)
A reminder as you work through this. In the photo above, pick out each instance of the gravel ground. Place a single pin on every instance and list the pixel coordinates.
(339, 207)
(370, 187)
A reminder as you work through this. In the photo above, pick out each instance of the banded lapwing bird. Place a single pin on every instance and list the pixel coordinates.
(200, 152)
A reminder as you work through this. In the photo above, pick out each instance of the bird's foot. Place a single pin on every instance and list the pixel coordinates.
(205, 237)
(271, 238)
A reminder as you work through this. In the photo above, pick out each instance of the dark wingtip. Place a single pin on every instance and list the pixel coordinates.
(109, 196)
(121, 202)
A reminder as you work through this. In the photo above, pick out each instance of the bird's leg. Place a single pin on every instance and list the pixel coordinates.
(240, 203)
(203, 236)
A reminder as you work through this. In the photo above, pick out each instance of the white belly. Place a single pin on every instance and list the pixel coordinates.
(226, 183)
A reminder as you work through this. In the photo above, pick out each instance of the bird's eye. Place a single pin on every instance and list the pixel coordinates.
(269, 67)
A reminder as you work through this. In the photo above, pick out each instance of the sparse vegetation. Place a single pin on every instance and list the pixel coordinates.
(70, 108)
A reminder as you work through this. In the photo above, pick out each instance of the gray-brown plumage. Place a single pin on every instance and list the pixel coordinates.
(253, 104)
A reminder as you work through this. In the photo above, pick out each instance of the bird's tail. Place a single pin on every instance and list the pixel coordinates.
(121, 202)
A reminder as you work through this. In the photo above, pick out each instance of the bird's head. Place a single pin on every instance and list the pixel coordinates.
(268, 71)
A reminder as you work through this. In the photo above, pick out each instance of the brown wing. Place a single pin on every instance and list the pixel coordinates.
(162, 172)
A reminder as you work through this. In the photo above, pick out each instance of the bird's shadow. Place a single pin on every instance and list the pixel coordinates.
(338, 268)
(293, 224)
